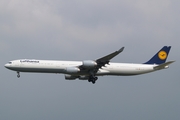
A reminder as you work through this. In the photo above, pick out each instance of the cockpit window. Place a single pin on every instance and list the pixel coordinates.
(10, 62)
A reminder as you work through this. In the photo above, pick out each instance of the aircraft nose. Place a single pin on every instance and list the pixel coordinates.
(6, 65)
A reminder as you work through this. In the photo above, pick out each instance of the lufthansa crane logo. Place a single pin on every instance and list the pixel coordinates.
(162, 55)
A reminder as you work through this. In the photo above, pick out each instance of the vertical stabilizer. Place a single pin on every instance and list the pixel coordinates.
(160, 57)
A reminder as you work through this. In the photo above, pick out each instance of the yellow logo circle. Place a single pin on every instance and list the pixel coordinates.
(162, 55)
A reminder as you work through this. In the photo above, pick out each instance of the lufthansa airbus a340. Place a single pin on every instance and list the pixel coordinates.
(91, 69)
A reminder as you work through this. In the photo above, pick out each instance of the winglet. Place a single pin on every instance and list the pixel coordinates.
(120, 50)
(110, 56)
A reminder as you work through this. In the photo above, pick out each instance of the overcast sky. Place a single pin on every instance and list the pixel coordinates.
(89, 29)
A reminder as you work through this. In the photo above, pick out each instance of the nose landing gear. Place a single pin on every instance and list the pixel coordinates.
(18, 74)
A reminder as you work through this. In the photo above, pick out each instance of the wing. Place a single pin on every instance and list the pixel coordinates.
(92, 67)
(105, 60)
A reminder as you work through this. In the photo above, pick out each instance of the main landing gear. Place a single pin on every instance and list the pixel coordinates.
(92, 79)
(18, 74)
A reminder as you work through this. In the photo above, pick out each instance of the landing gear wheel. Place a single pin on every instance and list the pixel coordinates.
(92, 79)
(89, 80)
(18, 74)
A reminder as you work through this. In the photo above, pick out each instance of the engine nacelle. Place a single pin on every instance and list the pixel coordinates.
(83, 77)
(70, 77)
(71, 70)
(89, 64)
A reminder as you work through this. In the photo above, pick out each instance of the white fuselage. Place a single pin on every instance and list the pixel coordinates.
(49, 66)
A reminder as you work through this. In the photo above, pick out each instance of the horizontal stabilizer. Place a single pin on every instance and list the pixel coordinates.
(162, 66)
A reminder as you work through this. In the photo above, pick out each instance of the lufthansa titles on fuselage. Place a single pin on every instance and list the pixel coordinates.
(29, 61)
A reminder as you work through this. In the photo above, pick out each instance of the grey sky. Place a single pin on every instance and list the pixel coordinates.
(89, 29)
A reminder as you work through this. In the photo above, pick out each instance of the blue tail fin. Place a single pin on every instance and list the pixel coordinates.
(160, 57)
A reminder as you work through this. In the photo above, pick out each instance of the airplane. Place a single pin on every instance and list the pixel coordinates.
(91, 69)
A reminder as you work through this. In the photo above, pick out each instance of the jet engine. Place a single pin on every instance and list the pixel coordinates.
(89, 64)
(70, 77)
(83, 77)
(71, 70)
